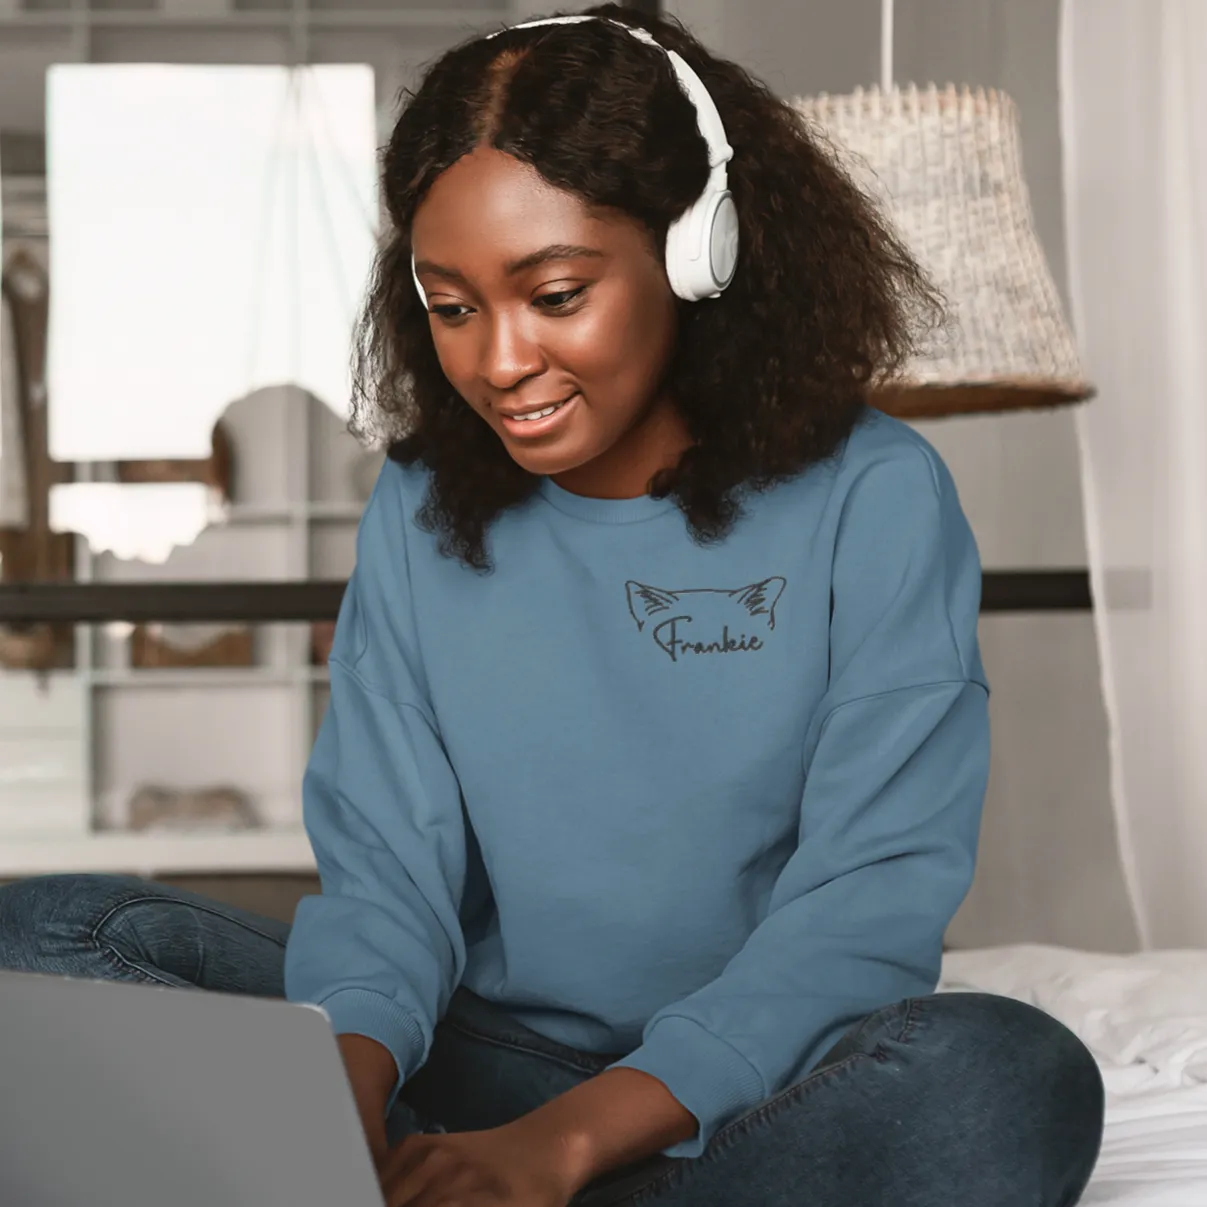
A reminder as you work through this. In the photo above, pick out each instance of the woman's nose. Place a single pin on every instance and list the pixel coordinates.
(510, 353)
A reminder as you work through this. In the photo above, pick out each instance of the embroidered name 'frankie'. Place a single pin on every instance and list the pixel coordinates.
(706, 620)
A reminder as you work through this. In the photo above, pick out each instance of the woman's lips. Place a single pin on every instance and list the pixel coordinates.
(530, 429)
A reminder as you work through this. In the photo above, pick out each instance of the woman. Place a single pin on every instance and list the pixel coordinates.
(657, 743)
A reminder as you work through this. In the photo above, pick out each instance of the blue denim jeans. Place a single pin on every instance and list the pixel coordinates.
(950, 1100)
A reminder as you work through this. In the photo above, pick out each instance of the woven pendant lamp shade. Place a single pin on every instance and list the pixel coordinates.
(946, 167)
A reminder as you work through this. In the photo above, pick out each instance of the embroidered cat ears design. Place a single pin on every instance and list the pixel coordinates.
(758, 599)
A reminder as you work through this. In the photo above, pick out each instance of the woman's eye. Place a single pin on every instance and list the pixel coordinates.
(558, 300)
(561, 299)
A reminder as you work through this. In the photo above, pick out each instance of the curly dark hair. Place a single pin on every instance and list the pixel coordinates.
(769, 378)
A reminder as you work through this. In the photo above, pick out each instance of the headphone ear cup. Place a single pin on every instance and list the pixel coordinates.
(676, 257)
(702, 248)
(723, 240)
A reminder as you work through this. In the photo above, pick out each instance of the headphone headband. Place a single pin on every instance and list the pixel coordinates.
(708, 120)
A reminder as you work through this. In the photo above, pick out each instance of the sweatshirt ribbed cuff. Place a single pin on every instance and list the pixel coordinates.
(707, 1076)
(364, 1012)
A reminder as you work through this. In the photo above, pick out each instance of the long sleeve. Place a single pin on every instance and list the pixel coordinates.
(381, 948)
(896, 764)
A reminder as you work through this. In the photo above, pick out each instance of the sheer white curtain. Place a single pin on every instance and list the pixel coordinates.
(1134, 118)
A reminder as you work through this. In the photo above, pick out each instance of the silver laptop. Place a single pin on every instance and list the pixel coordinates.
(135, 1096)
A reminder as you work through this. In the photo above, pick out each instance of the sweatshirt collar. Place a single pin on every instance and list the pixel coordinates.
(604, 511)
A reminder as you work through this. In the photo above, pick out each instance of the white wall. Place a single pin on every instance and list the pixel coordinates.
(1049, 868)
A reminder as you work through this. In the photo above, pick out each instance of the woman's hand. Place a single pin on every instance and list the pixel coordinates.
(371, 1073)
(511, 1166)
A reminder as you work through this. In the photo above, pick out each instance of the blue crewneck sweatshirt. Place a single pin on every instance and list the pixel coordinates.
(700, 807)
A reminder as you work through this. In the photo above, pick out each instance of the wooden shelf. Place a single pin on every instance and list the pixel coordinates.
(157, 853)
(287, 513)
(283, 20)
(205, 676)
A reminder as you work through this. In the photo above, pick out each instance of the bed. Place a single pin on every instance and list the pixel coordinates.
(1144, 1017)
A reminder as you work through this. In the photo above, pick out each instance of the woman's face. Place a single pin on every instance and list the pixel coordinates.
(553, 321)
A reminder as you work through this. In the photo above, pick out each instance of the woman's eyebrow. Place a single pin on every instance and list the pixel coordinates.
(554, 251)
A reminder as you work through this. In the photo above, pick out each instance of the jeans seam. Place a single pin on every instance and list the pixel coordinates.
(789, 1097)
(796, 1091)
(912, 1013)
(114, 957)
(720, 1141)
(581, 1065)
(122, 965)
(199, 907)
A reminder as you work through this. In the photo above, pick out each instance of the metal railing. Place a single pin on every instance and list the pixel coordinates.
(101, 603)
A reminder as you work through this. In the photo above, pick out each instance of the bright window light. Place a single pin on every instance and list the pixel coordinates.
(212, 230)
(141, 521)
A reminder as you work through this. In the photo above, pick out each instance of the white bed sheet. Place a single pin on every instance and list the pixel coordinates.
(1144, 1017)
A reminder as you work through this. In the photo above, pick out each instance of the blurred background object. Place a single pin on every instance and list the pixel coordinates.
(945, 165)
(30, 551)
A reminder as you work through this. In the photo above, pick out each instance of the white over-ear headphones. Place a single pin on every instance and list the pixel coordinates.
(702, 243)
